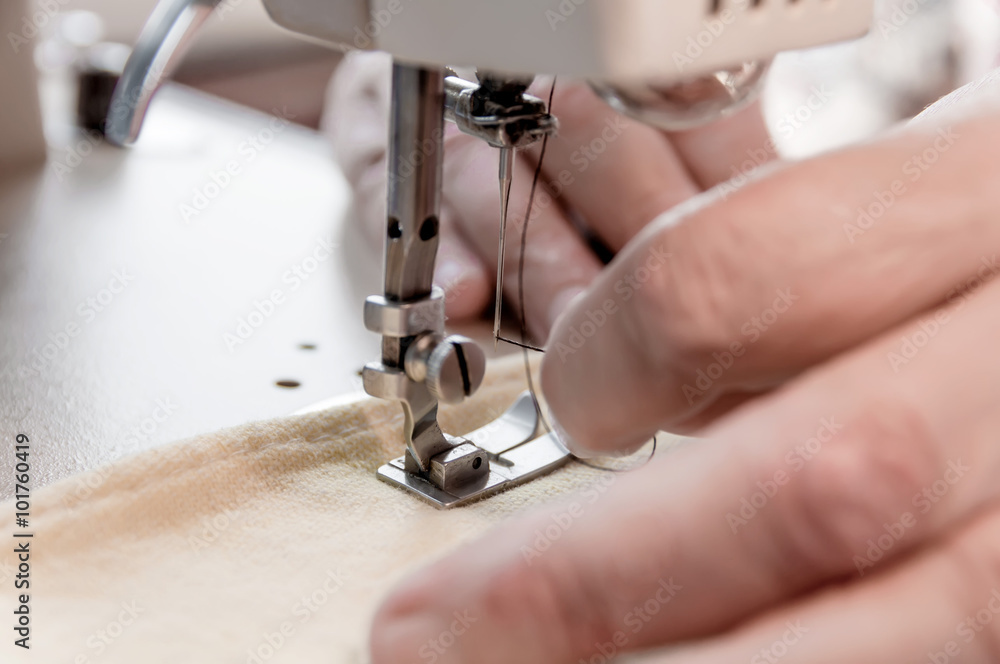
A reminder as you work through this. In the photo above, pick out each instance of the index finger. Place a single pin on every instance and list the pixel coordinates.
(742, 293)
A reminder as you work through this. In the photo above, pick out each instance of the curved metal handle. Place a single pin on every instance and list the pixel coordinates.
(162, 44)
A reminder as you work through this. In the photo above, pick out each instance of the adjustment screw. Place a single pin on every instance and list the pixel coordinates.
(455, 369)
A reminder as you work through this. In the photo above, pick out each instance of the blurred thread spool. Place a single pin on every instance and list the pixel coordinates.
(97, 71)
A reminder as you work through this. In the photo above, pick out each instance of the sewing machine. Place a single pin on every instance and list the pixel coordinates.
(672, 64)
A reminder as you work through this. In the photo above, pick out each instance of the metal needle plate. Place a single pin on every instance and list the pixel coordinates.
(516, 456)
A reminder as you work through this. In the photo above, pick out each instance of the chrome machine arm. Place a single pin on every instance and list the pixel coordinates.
(161, 45)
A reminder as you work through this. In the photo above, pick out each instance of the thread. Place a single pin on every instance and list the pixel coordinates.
(522, 319)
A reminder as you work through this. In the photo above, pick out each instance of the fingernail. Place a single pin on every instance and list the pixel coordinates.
(567, 441)
(562, 301)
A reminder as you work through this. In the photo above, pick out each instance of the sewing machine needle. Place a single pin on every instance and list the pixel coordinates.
(506, 177)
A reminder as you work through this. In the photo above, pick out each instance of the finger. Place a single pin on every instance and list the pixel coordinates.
(618, 173)
(842, 472)
(558, 265)
(726, 148)
(724, 405)
(743, 293)
(357, 122)
(942, 607)
(468, 287)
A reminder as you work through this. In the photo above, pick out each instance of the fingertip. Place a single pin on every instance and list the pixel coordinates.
(561, 378)
(567, 440)
(557, 389)
(562, 301)
(466, 285)
(598, 451)
(401, 623)
(569, 384)
(496, 600)
(356, 109)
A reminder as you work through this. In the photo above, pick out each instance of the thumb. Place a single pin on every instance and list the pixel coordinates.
(608, 373)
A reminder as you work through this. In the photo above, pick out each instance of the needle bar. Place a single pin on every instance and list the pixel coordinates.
(506, 178)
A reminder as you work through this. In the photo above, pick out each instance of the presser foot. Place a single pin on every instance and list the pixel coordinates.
(509, 448)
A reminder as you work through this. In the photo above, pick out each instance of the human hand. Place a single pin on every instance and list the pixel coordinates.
(611, 173)
(843, 505)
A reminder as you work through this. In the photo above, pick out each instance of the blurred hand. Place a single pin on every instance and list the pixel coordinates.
(612, 173)
(830, 329)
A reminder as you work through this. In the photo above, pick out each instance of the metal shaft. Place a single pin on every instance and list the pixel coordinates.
(415, 160)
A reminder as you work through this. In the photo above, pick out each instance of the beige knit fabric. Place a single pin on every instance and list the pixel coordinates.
(270, 542)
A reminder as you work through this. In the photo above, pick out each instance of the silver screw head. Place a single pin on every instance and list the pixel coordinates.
(455, 369)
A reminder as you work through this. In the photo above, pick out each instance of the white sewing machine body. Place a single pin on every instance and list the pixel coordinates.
(618, 40)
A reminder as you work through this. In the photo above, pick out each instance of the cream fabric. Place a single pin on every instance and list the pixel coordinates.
(270, 542)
